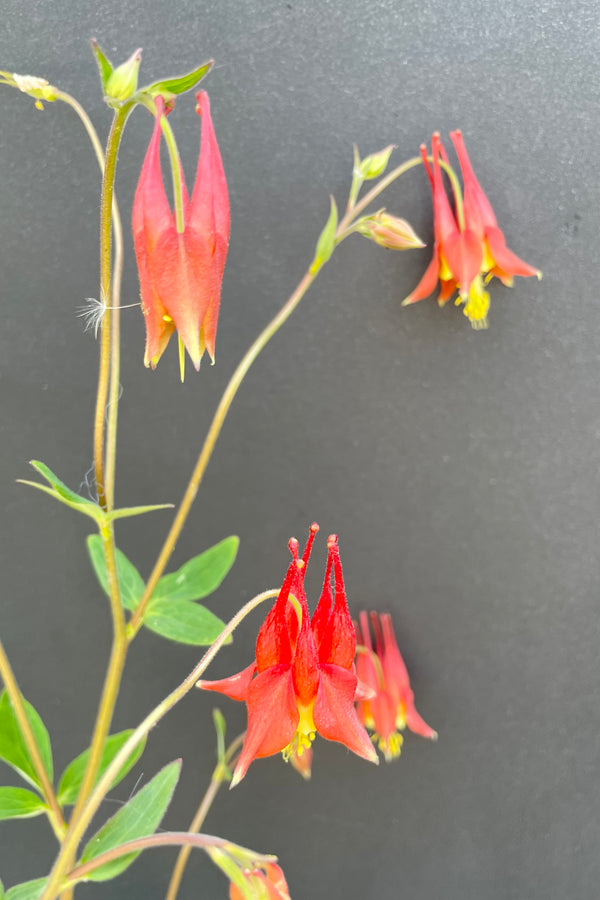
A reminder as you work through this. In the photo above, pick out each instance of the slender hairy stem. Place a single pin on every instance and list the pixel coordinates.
(77, 828)
(166, 839)
(209, 444)
(113, 399)
(12, 689)
(218, 777)
(108, 366)
(108, 181)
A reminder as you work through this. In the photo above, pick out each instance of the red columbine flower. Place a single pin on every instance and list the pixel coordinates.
(465, 251)
(181, 272)
(303, 680)
(392, 706)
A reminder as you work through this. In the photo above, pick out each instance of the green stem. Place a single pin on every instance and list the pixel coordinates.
(113, 398)
(108, 350)
(219, 776)
(108, 181)
(77, 828)
(346, 225)
(189, 496)
(16, 698)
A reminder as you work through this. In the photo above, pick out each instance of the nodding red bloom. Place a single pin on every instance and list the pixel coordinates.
(181, 272)
(266, 883)
(465, 251)
(392, 706)
(303, 679)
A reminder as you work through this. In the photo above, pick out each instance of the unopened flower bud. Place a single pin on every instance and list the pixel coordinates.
(375, 165)
(390, 232)
(122, 83)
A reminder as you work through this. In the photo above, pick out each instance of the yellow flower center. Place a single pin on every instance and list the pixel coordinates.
(305, 733)
(477, 304)
(390, 746)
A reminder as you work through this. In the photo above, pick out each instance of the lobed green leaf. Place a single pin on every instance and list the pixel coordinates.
(131, 583)
(13, 749)
(183, 621)
(59, 490)
(201, 575)
(19, 803)
(71, 778)
(27, 890)
(181, 84)
(140, 817)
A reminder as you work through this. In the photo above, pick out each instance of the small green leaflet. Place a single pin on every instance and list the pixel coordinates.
(326, 242)
(105, 68)
(131, 583)
(183, 621)
(201, 575)
(140, 817)
(1, 891)
(28, 890)
(12, 746)
(59, 490)
(19, 803)
(71, 779)
(179, 85)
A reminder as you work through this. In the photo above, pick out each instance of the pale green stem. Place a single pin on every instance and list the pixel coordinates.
(78, 828)
(115, 300)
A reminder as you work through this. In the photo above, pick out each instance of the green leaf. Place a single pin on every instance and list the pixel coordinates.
(71, 778)
(136, 510)
(183, 621)
(59, 490)
(138, 818)
(18, 803)
(326, 242)
(179, 85)
(201, 575)
(1, 891)
(131, 583)
(12, 746)
(28, 890)
(105, 68)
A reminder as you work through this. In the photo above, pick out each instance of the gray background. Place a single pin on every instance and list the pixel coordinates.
(459, 468)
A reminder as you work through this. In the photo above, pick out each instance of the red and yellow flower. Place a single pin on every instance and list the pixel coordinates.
(469, 248)
(181, 271)
(303, 680)
(392, 705)
(265, 883)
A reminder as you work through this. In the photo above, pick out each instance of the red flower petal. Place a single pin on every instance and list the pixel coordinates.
(334, 714)
(273, 643)
(272, 717)
(426, 285)
(504, 258)
(236, 686)
(463, 251)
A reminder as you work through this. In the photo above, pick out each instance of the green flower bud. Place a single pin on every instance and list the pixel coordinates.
(122, 83)
(375, 165)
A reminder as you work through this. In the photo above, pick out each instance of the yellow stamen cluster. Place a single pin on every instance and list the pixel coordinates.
(305, 733)
(390, 746)
(477, 304)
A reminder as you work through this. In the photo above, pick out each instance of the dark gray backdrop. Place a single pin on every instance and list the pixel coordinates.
(459, 468)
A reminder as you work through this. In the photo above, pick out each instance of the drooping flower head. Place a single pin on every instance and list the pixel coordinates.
(265, 883)
(469, 248)
(392, 706)
(303, 680)
(181, 270)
